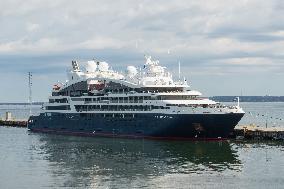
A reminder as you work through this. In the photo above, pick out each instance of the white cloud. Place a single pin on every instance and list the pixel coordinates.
(160, 24)
(210, 37)
(23, 46)
(101, 43)
(31, 27)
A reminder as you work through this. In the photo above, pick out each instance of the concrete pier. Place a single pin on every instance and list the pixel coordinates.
(13, 123)
(259, 133)
(10, 121)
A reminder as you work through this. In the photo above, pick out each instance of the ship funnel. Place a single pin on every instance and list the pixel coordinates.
(75, 65)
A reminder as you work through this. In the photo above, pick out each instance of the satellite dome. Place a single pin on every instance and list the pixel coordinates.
(131, 71)
(103, 66)
(91, 66)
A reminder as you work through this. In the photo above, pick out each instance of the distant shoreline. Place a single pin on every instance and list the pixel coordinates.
(215, 98)
(20, 103)
(248, 98)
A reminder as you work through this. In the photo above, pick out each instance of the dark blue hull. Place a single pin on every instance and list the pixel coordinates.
(159, 126)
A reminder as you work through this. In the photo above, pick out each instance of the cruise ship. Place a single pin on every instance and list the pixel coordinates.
(144, 102)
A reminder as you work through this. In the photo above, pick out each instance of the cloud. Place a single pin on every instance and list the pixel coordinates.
(24, 45)
(101, 43)
(216, 37)
(31, 27)
(108, 24)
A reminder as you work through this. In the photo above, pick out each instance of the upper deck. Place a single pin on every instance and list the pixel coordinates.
(98, 79)
(152, 89)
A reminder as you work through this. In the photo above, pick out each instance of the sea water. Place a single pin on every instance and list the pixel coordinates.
(37, 160)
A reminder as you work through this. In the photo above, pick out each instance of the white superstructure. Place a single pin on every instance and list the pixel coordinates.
(152, 89)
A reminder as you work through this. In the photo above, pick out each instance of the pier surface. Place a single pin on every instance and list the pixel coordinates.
(9, 120)
(256, 132)
(14, 123)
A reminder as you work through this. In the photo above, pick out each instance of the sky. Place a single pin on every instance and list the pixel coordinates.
(225, 47)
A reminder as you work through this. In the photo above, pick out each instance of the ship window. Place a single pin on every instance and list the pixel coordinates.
(125, 99)
(121, 99)
(57, 107)
(61, 100)
(55, 94)
(136, 99)
(147, 98)
(153, 98)
(179, 97)
(77, 99)
(131, 99)
(75, 93)
(90, 108)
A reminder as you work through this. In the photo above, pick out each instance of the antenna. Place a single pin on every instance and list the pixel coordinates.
(30, 91)
(179, 70)
(238, 101)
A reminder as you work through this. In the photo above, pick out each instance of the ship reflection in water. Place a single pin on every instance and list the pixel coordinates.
(107, 162)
